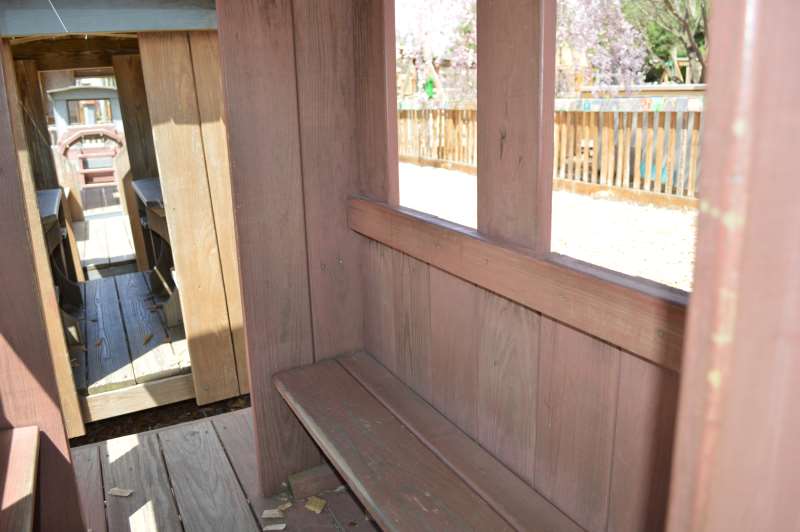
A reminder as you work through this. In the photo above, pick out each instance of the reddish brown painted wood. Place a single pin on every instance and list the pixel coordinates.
(28, 390)
(376, 99)
(648, 398)
(402, 483)
(258, 59)
(736, 461)
(640, 317)
(508, 360)
(326, 96)
(379, 308)
(313, 481)
(517, 502)
(454, 349)
(516, 43)
(90, 486)
(19, 456)
(576, 406)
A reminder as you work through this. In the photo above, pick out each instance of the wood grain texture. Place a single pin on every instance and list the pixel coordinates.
(137, 397)
(738, 434)
(516, 501)
(134, 462)
(515, 98)
(206, 490)
(90, 485)
(380, 464)
(376, 99)
(135, 115)
(576, 406)
(379, 309)
(211, 104)
(38, 138)
(642, 318)
(172, 100)
(19, 457)
(326, 98)
(508, 360)
(108, 358)
(313, 481)
(28, 385)
(648, 397)
(258, 59)
(130, 207)
(455, 342)
(54, 328)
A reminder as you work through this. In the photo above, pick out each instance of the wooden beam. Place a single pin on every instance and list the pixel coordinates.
(211, 104)
(59, 351)
(29, 391)
(258, 59)
(172, 100)
(36, 133)
(136, 398)
(738, 434)
(639, 316)
(135, 115)
(516, 51)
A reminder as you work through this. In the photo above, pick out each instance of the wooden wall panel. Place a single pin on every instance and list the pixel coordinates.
(258, 66)
(211, 104)
(169, 79)
(135, 115)
(38, 138)
(578, 381)
(379, 309)
(326, 96)
(28, 388)
(46, 289)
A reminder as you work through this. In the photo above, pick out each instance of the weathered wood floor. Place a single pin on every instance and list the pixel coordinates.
(126, 339)
(104, 238)
(197, 476)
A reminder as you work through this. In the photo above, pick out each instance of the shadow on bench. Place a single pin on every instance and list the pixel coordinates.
(411, 467)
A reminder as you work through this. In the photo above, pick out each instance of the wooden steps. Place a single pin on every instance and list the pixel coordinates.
(409, 466)
(19, 455)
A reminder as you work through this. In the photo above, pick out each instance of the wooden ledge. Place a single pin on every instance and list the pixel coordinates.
(19, 456)
(637, 315)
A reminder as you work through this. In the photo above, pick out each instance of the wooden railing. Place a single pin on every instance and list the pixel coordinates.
(634, 146)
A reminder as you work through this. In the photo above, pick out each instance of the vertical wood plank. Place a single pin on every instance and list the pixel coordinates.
(576, 405)
(454, 349)
(210, 103)
(637, 157)
(35, 120)
(648, 398)
(379, 308)
(659, 163)
(90, 485)
(515, 98)
(172, 100)
(694, 155)
(258, 59)
(326, 96)
(508, 362)
(649, 144)
(58, 349)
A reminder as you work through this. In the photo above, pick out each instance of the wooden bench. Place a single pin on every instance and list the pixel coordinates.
(19, 454)
(411, 467)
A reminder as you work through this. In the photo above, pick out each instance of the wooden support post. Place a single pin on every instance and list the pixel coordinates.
(38, 138)
(258, 65)
(738, 434)
(516, 43)
(29, 384)
(172, 100)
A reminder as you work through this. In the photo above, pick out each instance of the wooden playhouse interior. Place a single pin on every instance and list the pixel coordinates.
(456, 379)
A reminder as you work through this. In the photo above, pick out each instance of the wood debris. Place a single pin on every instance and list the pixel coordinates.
(315, 504)
(285, 506)
(275, 513)
(120, 492)
(99, 342)
(147, 338)
(277, 526)
(74, 362)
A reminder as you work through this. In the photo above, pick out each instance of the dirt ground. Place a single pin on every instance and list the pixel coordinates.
(656, 243)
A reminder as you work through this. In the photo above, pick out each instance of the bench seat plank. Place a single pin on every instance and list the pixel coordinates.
(401, 482)
(19, 455)
(512, 498)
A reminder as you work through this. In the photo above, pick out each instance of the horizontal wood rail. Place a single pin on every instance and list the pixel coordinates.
(637, 315)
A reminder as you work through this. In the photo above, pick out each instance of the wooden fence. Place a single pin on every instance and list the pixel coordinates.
(637, 148)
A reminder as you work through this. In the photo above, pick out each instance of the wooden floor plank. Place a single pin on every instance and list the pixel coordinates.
(403, 484)
(206, 489)
(86, 461)
(152, 355)
(506, 492)
(19, 457)
(134, 462)
(107, 357)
